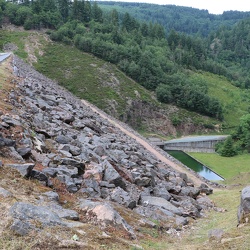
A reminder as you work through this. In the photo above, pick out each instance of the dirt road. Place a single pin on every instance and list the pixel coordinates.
(146, 145)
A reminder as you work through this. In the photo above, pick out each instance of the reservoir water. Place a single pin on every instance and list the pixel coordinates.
(195, 165)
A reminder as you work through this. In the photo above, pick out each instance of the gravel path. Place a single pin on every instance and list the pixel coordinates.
(197, 181)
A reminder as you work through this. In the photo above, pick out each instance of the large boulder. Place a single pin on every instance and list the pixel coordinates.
(123, 198)
(104, 215)
(160, 202)
(24, 169)
(112, 176)
(244, 208)
(26, 216)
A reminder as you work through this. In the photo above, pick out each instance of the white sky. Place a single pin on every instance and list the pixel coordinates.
(213, 6)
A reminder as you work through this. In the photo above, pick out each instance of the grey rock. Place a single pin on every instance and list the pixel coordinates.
(184, 177)
(99, 150)
(172, 188)
(105, 193)
(42, 104)
(11, 152)
(74, 163)
(69, 182)
(105, 214)
(67, 118)
(205, 203)
(106, 184)
(24, 152)
(5, 193)
(244, 208)
(75, 150)
(9, 142)
(25, 213)
(1, 163)
(11, 121)
(89, 192)
(118, 155)
(78, 181)
(91, 188)
(143, 181)
(52, 172)
(160, 202)
(21, 227)
(62, 139)
(64, 147)
(112, 176)
(38, 176)
(65, 153)
(63, 213)
(122, 197)
(135, 174)
(205, 189)
(134, 193)
(71, 187)
(26, 142)
(181, 221)
(190, 191)
(23, 169)
(53, 196)
(2, 143)
(50, 98)
(190, 207)
(161, 192)
(147, 223)
(156, 213)
(67, 170)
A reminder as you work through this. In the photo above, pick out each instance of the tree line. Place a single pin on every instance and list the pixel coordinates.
(239, 140)
(186, 20)
(141, 51)
(160, 62)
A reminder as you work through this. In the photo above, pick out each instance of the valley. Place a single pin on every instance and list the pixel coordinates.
(80, 96)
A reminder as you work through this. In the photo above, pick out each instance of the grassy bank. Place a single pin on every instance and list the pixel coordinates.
(228, 167)
(90, 78)
(17, 38)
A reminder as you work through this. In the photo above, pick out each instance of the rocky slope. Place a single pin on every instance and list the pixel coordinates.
(91, 172)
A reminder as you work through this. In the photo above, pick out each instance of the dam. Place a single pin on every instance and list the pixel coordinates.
(204, 144)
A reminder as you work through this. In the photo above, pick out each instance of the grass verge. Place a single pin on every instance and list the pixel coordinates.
(228, 167)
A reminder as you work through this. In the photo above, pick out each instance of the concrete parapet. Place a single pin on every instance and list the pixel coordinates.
(204, 144)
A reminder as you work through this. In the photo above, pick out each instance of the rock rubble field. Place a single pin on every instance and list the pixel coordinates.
(52, 138)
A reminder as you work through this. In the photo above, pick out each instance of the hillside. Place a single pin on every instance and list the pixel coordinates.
(63, 166)
(75, 177)
(89, 78)
(120, 97)
(182, 19)
(179, 70)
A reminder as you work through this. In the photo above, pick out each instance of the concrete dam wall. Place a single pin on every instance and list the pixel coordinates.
(204, 144)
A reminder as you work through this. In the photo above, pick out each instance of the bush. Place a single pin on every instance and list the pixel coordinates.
(28, 24)
(227, 148)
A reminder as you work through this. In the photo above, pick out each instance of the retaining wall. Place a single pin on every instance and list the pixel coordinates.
(207, 146)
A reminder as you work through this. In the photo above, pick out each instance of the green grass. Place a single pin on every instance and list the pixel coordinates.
(235, 101)
(14, 37)
(108, 88)
(103, 84)
(228, 167)
(89, 77)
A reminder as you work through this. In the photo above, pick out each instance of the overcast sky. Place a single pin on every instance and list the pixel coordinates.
(213, 6)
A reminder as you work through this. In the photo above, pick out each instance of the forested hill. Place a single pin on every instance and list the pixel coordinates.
(182, 19)
(175, 65)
